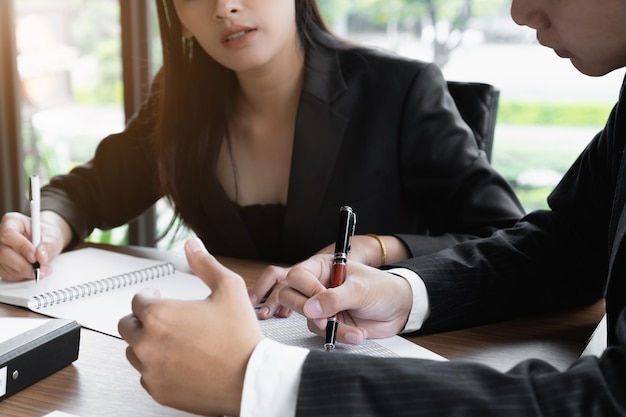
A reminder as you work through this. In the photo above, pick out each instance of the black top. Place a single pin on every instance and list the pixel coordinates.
(265, 225)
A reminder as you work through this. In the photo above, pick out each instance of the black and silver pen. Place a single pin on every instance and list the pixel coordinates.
(347, 224)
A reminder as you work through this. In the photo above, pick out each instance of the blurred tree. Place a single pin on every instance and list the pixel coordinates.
(442, 21)
(335, 10)
(95, 31)
(448, 26)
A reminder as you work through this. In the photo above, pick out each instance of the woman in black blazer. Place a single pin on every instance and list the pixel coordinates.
(257, 131)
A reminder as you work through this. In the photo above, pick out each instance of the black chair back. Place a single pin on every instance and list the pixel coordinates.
(478, 105)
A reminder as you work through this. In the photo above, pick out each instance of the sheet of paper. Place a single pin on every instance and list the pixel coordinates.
(13, 326)
(597, 342)
(294, 331)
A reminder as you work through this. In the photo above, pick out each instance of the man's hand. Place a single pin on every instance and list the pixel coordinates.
(372, 303)
(192, 355)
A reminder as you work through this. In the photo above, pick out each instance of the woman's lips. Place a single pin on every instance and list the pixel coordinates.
(238, 37)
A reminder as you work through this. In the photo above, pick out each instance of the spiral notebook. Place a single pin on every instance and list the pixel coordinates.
(95, 287)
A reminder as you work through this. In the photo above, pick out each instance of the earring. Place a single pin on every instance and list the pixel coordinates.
(188, 44)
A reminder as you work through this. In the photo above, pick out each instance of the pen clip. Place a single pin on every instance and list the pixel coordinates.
(351, 227)
(347, 225)
(33, 188)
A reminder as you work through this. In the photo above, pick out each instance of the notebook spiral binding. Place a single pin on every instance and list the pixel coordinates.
(102, 285)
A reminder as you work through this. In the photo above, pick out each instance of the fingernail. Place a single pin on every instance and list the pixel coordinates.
(31, 257)
(43, 253)
(353, 338)
(264, 312)
(313, 308)
(195, 245)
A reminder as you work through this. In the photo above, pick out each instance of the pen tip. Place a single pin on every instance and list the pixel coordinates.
(329, 347)
(37, 272)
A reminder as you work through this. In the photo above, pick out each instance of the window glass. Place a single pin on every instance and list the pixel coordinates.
(69, 63)
(548, 111)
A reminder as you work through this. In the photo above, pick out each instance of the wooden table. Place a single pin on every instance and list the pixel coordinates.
(102, 383)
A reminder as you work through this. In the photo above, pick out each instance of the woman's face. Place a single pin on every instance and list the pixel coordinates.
(242, 35)
(591, 33)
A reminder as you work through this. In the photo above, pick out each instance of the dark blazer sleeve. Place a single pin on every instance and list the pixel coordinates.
(457, 193)
(351, 385)
(550, 260)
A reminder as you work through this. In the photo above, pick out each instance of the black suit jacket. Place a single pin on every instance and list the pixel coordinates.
(378, 132)
(569, 256)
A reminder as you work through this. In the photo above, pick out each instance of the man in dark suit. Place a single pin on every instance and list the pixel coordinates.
(569, 256)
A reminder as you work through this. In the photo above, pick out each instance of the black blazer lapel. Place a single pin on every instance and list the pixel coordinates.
(318, 136)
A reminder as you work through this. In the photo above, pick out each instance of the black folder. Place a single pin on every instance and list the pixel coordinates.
(36, 353)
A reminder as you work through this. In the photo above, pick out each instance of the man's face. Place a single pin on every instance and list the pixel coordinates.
(590, 33)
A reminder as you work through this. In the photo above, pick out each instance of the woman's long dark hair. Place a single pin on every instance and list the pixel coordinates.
(195, 104)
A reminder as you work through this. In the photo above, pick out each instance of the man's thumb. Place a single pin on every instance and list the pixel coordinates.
(204, 265)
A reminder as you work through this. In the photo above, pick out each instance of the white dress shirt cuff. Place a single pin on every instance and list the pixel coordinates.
(421, 307)
(270, 387)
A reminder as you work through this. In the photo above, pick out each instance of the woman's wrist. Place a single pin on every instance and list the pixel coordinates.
(377, 250)
(383, 247)
(59, 222)
(386, 250)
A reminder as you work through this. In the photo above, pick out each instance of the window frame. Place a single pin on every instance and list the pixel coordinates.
(12, 177)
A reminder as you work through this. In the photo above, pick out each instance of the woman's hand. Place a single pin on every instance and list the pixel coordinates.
(192, 355)
(17, 253)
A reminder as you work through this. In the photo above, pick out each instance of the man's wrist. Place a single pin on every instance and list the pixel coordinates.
(420, 309)
(272, 379)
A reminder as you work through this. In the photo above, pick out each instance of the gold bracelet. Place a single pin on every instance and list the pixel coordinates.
(383, 248)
